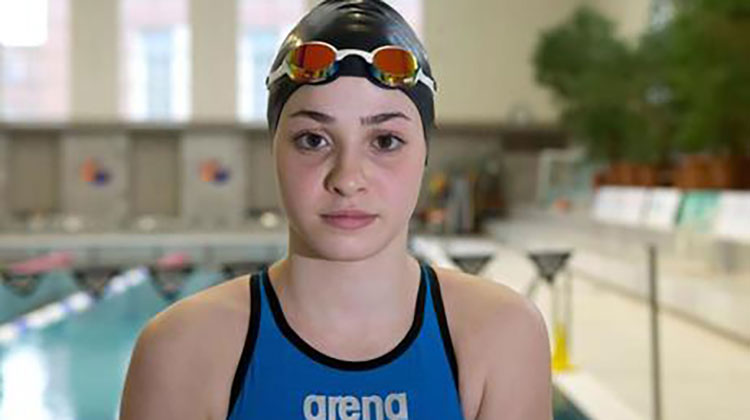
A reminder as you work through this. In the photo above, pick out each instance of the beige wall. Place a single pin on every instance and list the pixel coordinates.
(631, 16)
(214, 25)
(480, 50)
(33, 159)
(94, 59)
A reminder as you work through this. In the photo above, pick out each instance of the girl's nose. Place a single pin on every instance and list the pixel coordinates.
(347, 176)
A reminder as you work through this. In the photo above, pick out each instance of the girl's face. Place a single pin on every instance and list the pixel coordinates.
(348, 144)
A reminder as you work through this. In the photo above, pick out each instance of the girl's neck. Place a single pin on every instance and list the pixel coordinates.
(360, 292)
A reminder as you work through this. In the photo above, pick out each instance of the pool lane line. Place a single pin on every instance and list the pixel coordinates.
(72, 304)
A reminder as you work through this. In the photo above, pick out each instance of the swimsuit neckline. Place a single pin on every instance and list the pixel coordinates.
(351, 365)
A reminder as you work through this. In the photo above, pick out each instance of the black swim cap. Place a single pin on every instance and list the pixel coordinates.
(356, 24)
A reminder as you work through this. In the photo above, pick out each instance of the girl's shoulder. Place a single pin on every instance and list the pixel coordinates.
(215, 310)
(482, 303)
(190, 347)
(500, 340)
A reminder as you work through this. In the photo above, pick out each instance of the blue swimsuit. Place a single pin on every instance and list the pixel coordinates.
(281, 377)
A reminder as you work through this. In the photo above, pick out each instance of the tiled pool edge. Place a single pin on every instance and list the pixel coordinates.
(592, 398)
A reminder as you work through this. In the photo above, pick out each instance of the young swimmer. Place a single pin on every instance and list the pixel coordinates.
(349, 325)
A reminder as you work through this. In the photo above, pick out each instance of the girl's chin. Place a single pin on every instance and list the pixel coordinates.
(345, 247)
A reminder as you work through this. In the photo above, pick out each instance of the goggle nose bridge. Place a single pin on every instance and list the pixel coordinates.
(365, 55)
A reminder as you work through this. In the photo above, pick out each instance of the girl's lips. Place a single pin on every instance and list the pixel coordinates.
(349, 222)
(348, 213)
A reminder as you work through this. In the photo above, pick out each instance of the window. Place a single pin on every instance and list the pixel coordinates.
(155, 74)
(34, 45)
(257, 50)
(411, 10)
(262, 26)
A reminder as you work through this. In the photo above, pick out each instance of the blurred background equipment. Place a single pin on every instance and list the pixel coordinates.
(170, 273)
(550, 263)
(95, 280)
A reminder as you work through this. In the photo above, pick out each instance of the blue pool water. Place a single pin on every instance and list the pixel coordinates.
(75, 369)
(564, 409)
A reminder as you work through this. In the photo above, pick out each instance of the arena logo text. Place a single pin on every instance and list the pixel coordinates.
(372, 407)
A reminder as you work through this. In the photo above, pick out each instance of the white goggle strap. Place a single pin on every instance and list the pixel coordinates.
(421, 77)
(276, 74)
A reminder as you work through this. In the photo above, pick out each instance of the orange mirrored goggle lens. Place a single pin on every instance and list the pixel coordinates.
(311, 62)
(396, 66)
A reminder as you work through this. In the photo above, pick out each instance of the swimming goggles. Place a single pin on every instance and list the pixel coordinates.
(316, 61)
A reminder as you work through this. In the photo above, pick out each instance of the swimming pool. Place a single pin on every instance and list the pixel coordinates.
(564, 409)
(74, 369)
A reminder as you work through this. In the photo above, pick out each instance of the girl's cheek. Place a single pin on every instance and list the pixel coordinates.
(299, 179)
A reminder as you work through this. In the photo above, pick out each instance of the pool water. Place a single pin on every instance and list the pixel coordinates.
(75, 369)
(564, 409)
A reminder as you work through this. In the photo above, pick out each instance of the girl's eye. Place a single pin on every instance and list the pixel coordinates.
(309, 141)
(388, 142)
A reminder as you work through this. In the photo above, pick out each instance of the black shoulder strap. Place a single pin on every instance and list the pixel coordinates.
(437, 303)
(250, 338)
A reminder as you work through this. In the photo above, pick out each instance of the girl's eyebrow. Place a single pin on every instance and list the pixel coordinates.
(381, 118)
(314, 115)
(369, 120)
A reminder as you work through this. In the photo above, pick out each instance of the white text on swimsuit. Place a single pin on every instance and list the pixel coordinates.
(344, 407)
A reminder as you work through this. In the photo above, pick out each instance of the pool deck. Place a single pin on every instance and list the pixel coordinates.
(705, 367)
